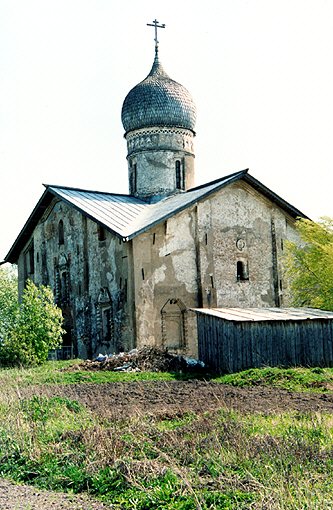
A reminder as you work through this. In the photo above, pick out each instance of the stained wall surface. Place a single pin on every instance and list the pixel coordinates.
(89, 270)
(225, 251)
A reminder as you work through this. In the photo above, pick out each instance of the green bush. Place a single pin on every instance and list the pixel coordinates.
(8, 300)
(30, 328)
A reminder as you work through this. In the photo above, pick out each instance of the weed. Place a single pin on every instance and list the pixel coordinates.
(175, 461)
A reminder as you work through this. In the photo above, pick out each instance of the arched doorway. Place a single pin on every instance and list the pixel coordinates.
(173, 317)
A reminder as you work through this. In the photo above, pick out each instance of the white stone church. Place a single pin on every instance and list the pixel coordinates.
(127, 269)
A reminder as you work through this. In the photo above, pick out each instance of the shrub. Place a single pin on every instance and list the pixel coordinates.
(8, 300)
(28, 329)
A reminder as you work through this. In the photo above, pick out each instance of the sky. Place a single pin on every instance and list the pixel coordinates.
(260, 73)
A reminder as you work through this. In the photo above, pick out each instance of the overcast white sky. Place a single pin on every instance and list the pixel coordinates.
(260, 72)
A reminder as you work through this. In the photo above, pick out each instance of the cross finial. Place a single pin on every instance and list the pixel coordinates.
(156, 25)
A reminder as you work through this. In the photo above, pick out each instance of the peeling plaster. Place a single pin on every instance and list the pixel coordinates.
(185, 271)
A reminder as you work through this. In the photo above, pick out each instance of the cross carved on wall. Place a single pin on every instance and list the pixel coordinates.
(156, 25)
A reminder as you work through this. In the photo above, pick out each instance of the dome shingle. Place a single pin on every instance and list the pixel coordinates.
(158, 101)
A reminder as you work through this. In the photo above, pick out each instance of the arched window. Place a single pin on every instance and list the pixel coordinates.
(133, 177)
(105, 322)
(242, 271)
(64, 287)
(180, 181)
(61, 237)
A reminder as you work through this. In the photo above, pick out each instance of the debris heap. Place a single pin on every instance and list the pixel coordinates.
(146, 359)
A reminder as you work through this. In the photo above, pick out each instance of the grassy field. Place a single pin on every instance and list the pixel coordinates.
(319, 380)
(223, 459)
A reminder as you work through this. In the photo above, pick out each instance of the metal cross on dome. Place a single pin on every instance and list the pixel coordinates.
(156, 25)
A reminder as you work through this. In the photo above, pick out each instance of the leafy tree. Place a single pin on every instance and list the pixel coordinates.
(310, 266)
(29, 328)
(8, 299)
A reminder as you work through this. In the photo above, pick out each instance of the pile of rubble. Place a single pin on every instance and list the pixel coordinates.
(146, 359)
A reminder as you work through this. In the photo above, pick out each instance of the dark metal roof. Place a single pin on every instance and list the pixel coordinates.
(265, 314)
(158, 101)
(127, 216)
(115, 212)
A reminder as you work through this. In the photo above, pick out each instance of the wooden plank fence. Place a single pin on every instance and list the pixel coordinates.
(231, 346)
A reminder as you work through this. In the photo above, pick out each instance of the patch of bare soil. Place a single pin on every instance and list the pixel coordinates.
(164, 399)
(118, 400)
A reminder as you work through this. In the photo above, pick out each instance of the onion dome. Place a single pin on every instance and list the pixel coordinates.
(158, 101)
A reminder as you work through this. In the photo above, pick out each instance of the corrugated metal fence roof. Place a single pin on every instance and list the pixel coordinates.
(265, 314)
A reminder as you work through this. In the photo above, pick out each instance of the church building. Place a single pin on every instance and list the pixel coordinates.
(127, 269)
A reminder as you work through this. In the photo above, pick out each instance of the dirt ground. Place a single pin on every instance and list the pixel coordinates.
(117, 400)
(120, 400)
(23, 497)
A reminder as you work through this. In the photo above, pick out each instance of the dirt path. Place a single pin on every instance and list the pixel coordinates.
(23, 497)
(119, 400)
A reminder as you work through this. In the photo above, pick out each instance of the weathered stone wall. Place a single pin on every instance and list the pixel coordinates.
(166, 284)
(194, 260)
(152, 157)
(91, 277)
(224, 251)
(238, 225)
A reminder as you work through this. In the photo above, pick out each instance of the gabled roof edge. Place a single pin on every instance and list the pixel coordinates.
(28, 228)
(86, 190)
(293, 211)
(231, 178)
(226, 181)
(51, 191)
(237, 175)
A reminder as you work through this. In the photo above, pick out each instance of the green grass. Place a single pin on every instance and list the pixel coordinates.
(210, 460)
(319, 380)
(220, 460)
(54, 372)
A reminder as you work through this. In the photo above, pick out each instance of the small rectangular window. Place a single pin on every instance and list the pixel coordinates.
(61, 235)
(242, 271)
(180, 178)
(101, 233)
(106, 324)
(134, 178)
